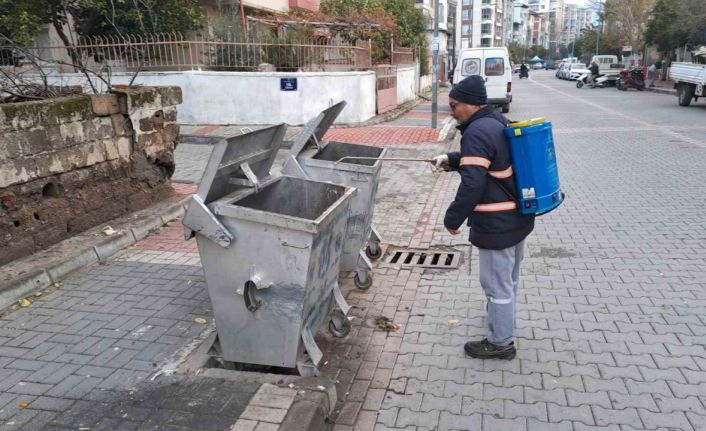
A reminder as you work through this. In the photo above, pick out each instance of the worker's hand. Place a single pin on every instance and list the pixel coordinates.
(453, 231)
(441, 162)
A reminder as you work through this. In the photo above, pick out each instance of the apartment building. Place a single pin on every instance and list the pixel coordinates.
(520, 23)
(576, 18)
(484, 23)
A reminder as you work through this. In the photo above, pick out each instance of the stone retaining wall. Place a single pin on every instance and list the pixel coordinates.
(72, 163)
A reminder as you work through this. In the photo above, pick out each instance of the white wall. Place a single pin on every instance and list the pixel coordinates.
(406, 81)
(424, 82)
(256, 98)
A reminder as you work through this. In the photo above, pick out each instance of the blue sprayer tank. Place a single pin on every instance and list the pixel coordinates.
(534, 165)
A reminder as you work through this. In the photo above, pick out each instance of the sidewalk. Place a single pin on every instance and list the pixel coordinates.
(663, 87)
(100, 350)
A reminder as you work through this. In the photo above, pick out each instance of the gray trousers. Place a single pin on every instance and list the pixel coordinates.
(500, 279)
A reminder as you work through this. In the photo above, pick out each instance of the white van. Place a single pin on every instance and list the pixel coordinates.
(493, 64)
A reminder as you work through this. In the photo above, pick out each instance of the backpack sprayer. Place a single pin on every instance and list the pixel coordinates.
(534, 165)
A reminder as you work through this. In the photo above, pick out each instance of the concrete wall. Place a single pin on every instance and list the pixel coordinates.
(255, 97)
(424, 83)
(406, 84)
(71, 163)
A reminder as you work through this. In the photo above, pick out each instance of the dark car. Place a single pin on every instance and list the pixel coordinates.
(549, 65)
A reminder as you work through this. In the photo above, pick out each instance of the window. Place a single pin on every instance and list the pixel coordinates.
(466, 29)
(485, 28)
(441, 10)
(485, 43)
(466, 2)
(470, 66)
(466, 15)
(485, 14)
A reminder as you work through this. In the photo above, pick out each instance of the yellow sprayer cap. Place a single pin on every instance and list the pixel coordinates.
(527, 123)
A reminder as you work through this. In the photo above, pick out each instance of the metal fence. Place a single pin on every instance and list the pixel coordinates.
(175, 52)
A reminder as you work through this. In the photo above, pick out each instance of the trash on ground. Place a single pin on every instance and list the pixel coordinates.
(386, 324)
(200, 320)
(24, 302)
(108, 231)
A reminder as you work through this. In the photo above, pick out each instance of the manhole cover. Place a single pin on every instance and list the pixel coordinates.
(438, 259)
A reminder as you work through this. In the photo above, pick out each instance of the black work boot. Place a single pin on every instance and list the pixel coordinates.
(486, 350)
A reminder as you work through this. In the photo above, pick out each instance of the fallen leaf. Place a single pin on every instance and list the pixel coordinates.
(453, 322)
(200, 320)
(38, 294)
(57, 285)
(24, 405)
(108, 231)
(24, 302)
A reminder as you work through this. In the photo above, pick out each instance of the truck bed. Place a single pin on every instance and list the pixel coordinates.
(692, 73)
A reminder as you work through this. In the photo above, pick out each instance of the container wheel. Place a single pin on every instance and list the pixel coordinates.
(579, 84)
(363, 285)
(373, 251)
(339, 326)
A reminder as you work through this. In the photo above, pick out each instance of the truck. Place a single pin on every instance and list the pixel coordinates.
(690, 78)
(610, 66)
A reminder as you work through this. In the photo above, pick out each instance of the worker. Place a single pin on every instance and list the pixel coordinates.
(486, 198)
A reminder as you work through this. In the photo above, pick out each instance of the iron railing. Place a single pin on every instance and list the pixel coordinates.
(175, 52)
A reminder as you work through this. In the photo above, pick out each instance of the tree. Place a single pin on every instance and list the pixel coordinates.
(23, 20)
(586, 43)
(629, 19)
(674, 23)
(391, 18)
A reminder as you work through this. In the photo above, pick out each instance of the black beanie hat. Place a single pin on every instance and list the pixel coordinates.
(470, 91)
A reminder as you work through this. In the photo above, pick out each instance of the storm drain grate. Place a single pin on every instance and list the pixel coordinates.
(425, 258)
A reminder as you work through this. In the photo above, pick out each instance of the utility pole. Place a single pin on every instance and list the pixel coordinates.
(435, 66)
(600, 28)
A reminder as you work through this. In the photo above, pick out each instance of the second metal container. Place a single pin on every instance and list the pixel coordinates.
(313, 158)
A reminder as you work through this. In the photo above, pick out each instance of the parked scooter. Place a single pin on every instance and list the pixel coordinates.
(631, 79)
(599, 82)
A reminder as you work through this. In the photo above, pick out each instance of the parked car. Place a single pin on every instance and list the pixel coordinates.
(564, 71)
(575, 70)
(537, 66)
(559, 68)
(493, 64)
(549, 64)
(516, 68)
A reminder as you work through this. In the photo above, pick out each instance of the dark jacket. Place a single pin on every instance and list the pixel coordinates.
(486, 196)
(594, 69)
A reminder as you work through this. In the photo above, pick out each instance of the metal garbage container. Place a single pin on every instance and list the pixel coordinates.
(270, 247)
(315, 159)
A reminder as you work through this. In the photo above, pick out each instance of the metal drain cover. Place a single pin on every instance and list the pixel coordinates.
(437, 259)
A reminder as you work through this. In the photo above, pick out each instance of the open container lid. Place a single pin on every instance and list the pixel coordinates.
(313, 132)
(232, 157)
(236, 163)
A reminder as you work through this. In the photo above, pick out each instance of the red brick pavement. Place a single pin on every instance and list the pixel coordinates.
(184, 188)
(384, 135)
(169, 238)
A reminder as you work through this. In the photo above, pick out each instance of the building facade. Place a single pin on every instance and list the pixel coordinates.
(484, 23)
(520, 23)
(576, 18)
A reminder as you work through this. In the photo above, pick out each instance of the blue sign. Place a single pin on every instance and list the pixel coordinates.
(288, 84)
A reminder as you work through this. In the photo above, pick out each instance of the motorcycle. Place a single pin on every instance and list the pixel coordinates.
(599, 82)
(631, 79)
(524, 74)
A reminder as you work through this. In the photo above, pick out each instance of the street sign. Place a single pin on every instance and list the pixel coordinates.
(435, 45)
(288, 84)
(627, 49)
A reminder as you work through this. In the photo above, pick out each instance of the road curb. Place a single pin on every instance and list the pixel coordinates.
(662, 90)
(49, 267)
